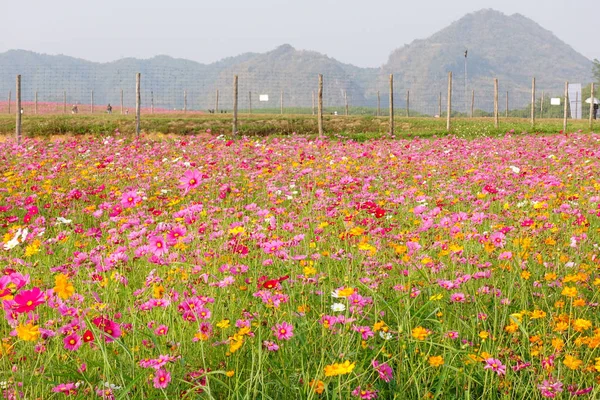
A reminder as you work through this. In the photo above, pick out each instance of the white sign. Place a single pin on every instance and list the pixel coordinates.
(555, 101)
(263, 97)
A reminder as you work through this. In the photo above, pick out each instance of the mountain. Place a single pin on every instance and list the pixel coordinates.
(510, 48)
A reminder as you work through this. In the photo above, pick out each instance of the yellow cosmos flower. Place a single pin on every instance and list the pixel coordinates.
(572, 362)
(436, 361)
(29, 332)
(569, 291)
(63, 288)
(339, 369)
(420, 333)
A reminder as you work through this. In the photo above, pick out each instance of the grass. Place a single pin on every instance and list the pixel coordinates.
(357, 127)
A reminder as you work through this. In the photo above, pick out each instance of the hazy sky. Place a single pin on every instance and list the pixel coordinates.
(359, 32)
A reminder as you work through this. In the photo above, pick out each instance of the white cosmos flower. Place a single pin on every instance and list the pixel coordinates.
(338, 307)
(385, 335)
(61, 220)
(514, 169)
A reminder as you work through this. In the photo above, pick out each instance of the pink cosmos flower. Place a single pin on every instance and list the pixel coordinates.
(283, 331)
(385, 372)
(72, 342)
(158, 246)
(550, 388)
(130, 199)
(271, 346)
(364, 393)
(161, 330)
(365, 331)
(495, 365)
(28, 300)
(162, 379)
(458, 298)
(190, 180)
(66, 388)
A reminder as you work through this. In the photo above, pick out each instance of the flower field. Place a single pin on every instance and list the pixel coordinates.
(290, 268)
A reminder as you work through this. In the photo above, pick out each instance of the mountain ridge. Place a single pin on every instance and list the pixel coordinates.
(512, 48)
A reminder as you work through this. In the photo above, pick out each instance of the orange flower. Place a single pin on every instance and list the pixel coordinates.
(436, 361)
(420, 333)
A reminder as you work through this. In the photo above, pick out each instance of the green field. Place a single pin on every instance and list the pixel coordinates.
(358, 127)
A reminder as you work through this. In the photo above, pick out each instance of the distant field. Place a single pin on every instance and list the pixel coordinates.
(358, 127)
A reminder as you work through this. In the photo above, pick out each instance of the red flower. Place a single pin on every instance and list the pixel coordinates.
(88, 336)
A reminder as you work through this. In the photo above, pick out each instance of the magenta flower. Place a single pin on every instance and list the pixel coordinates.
(271, 346)
(162, 379)
(283, 331)
(72, 342)
(495, 365)
(66, 388)
(458, 298)
(130, 199)
(385, 372)
(161, 330)
(28, 300)
(549, 388)
(365, 331)
(190, 180)
(158, 246)
(364, 393)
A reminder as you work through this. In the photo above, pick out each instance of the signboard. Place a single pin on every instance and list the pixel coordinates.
(555, 101)
(263, 97)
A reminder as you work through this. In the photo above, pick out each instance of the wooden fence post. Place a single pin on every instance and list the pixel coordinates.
(592, 107)
(533, 102)
(378, 104)
(472, 102)
(18, 107)
(138, 102)
(235, 104)
(566, 106)
(320, 106)
(449, 103)
(496, 120)
(346, 102)
(9, 100)
(408, 103)
(249, 102)
(542, 106)
(152, 102)
(217, 102)
(121, 101)
(92, 102)
(440, 105)
(35, 102)
(391, 104)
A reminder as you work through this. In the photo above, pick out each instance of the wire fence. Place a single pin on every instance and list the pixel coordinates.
(268, 90)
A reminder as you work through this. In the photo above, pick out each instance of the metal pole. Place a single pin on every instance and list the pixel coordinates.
(138, 102)
(19, 116)
(466, 90)
(391, 104)
(565, 107)
(592, 107)
(320, 106)
(533, 102)
(449, 104)
(235, 104)
(496, 120)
